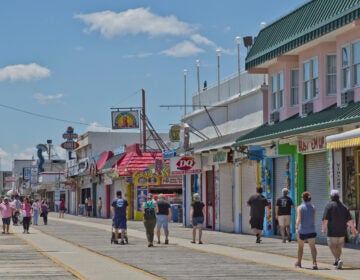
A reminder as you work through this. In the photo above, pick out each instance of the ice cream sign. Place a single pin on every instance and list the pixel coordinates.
(185, 165)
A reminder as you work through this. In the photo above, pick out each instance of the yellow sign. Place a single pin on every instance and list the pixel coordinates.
(146, 178)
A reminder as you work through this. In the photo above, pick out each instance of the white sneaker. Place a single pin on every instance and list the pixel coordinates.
(339, 264)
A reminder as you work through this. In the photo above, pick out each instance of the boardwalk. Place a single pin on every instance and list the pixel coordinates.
(79, 248)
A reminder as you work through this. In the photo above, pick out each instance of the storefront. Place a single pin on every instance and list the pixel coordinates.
(344, 151)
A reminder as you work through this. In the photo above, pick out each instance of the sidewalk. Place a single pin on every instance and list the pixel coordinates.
(240, 246)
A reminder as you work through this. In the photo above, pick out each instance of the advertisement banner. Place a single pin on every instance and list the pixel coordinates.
(185, 165)
(125, 119)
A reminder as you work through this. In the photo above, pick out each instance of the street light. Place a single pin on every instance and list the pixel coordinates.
(218, 53)
(185, 75)
(238, 41)
(198, 79)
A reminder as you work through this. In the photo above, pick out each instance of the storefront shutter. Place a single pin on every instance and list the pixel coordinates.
(316, 184)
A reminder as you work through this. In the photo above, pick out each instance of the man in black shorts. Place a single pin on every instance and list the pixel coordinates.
(257, 203)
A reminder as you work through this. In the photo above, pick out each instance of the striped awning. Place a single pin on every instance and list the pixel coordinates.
(343, 140)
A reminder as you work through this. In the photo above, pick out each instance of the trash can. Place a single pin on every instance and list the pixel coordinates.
(175, 212)
(81, 209)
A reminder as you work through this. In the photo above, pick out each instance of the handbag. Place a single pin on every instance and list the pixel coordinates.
(42, 215)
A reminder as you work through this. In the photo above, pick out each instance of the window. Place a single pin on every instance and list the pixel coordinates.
(331, 74)
(350, 66)
(294, 87)
(311, 80)
(277, 91)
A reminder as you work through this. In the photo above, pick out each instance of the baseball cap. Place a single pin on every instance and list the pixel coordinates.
(334, 193)
(196, 196)
(6, 198)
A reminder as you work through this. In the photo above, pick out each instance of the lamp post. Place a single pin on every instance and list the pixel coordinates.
(238, 41)
(185, 76)
(218, 53)
(198, 79)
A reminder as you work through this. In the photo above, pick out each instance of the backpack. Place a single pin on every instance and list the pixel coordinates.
(149, 212)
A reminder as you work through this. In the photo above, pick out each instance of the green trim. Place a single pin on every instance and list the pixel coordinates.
(328, 118)
(309, 22)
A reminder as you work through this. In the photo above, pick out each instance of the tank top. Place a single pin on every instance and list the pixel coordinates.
(307, 224)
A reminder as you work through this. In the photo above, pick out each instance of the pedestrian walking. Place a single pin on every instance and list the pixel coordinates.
(163, 217)
(305, 229)
(6, 210)
(26, 208)
(16, 212)
(44, 211)
(118, 210)
(283, 208)
(150, 209)
(257, 203)
(99, 207)
(197, 214)
(61, 208)
(336, 219)
(35, 212)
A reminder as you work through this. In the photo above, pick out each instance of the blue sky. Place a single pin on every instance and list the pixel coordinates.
(66, 63)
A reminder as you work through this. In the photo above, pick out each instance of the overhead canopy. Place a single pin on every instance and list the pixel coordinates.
(342, 140)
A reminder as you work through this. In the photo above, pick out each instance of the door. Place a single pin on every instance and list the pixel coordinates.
(210, 200)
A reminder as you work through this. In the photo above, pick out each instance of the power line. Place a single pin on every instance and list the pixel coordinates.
(49, 117)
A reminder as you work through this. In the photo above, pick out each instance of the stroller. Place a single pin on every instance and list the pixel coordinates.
(113, 239)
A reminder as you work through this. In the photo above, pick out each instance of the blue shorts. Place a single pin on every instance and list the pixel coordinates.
(120, 222)
(197, 221)
(162, 221)
(6, 221)
(306, 236)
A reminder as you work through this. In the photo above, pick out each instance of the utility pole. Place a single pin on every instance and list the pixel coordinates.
(143, 119)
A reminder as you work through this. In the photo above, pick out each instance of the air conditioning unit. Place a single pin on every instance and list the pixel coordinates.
(274, 117)
(307, 108)
(347, 97)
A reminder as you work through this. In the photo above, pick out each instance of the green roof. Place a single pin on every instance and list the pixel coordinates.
(309, 22)
(328, 118)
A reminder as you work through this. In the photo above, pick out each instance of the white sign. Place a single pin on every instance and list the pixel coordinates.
(185, 165)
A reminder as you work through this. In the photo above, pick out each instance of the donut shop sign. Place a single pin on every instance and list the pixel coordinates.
(185, 165)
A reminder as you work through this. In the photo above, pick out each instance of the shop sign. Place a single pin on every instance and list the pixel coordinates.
(146, 178)
(219, 157)
(185, 165)
(311, 145)
(166, 154)
(125, 119)
(174, 133)
(10, 179)
(172, 180)
(70, 145)
(69, 134)
(83, 166)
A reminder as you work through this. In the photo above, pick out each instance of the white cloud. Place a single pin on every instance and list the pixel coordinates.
(23, 72)
(96, 127)
(183, 49)
(43, 99)
(201, 40)
(7, 159)
(138, 55)
(133, 22)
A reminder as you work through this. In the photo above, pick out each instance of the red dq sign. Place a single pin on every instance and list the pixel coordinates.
(185, 165)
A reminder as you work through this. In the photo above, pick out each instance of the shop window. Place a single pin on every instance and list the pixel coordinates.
(349, 180)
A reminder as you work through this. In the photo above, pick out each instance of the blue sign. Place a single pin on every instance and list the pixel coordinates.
(168, 154)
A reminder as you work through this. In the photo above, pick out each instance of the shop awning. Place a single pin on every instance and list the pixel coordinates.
(103, 157)
(328, 118)
(136, 160)
(342, 140)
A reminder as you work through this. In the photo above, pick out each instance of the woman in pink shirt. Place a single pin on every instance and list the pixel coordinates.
(6, 210)
(26, 210)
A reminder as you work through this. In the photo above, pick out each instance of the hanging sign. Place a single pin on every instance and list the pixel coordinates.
(125, 119)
